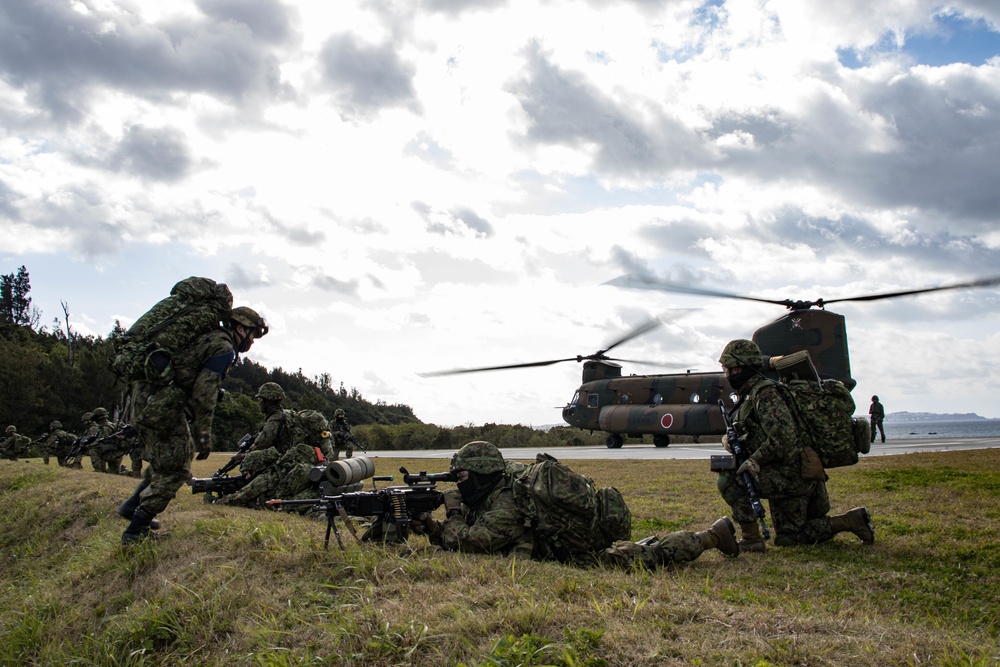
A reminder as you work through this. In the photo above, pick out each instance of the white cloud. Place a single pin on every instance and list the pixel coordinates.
(421, 186)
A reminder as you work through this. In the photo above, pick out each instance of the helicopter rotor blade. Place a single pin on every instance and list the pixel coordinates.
(661, 364)
(530, 364)
(985, 282)
(643, 282)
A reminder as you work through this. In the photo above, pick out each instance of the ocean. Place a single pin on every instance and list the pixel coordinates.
(979, 428)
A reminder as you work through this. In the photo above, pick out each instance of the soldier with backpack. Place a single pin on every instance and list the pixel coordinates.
(177, 360)
(274, 439)
(547, 512)
(788, 472)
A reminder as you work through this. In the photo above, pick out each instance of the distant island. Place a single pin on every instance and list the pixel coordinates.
(933, 417)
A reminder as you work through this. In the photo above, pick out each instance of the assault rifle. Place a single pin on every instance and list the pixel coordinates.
(740, 455)
(220, 482)
(80, 446)
(393, 507)
(345, 431)
(124, 433)
(40, 439)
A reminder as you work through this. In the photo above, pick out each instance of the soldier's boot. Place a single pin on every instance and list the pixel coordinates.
(45, 460)
(350, 453)
(751, 542)
(139, 527)
(856, 521)
(128, 508)
(720, 535)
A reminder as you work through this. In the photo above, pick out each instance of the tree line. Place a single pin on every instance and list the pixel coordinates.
(59, 375)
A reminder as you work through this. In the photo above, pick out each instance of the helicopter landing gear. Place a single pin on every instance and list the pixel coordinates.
(614, 441)
(661, 441)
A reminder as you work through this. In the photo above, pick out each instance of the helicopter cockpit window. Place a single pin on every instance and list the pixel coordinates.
(696, 397)
(576, 399)
(734, 397)
(592, 401)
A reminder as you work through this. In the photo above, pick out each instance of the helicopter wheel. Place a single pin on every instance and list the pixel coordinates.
(661, 441)
(614, 441)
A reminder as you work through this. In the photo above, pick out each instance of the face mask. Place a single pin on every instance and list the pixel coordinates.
(475, 489)
(737, 380)
(244, 343)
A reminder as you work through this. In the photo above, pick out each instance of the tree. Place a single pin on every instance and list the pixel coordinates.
(15, 304)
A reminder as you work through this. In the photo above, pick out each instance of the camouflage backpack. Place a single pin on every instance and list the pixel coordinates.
(194, 307)
(824, 415)
(570, 516)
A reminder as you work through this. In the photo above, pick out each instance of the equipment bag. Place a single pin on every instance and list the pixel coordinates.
(569, 515)
(195, 306)
(824, 415)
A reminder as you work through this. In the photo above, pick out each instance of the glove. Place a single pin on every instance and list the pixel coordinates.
(452, 502)
(751, 466)
(725, 443)
(425, 524)
(204, 443)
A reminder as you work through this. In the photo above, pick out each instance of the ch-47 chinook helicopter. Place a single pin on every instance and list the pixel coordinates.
(664, 405)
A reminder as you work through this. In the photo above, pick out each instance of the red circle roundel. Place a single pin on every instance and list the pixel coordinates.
(667, 420)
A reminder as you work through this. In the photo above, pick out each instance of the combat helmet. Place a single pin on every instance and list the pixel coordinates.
(874, 398)
(100, 413)
(248, 317)
(55, 425)
(270, 391)
(478, 456)
(741, 352)
(11, 429)
(338, 413)
(311, 427)
(87, 416)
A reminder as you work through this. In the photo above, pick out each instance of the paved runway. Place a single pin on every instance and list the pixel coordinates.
(700, 451)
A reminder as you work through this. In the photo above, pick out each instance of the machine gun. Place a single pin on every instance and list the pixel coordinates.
(221, 483)
(393, 507)
(740, 455)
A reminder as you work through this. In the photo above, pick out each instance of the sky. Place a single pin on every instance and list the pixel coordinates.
(413, 186)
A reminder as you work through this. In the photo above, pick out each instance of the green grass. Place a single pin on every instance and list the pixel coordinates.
(239, 587)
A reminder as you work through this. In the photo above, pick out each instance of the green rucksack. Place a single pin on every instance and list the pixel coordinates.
(570, 516)
(145, 352)
(824, 415)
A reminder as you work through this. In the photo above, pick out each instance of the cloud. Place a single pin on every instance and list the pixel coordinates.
(564, 108)
(159, 154)
(60, 53)
(366, 78)
(268, 20)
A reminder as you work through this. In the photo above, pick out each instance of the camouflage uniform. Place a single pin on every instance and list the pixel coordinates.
(768, 431)
(343, 439)
(57, 444)
(105, 457)
(271, 442)
(14, 444)
(877, 413)
(87, 419)
(281, 470)
(166, 416)
(495, 525)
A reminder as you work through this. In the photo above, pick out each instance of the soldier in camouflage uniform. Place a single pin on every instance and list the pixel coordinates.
(767, 429)
(877, 413)
(176, 420)
(14, 444)
(105, 457)
(87, 419)
(343, 439)
(482, 517)
(269, 445)
(57, 444)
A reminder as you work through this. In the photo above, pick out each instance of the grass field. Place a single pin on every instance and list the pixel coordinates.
(239, 587)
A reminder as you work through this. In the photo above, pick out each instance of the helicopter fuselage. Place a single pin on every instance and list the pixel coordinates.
(688, 403)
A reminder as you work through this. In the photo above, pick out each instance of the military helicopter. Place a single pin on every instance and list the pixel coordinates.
(665, 405)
